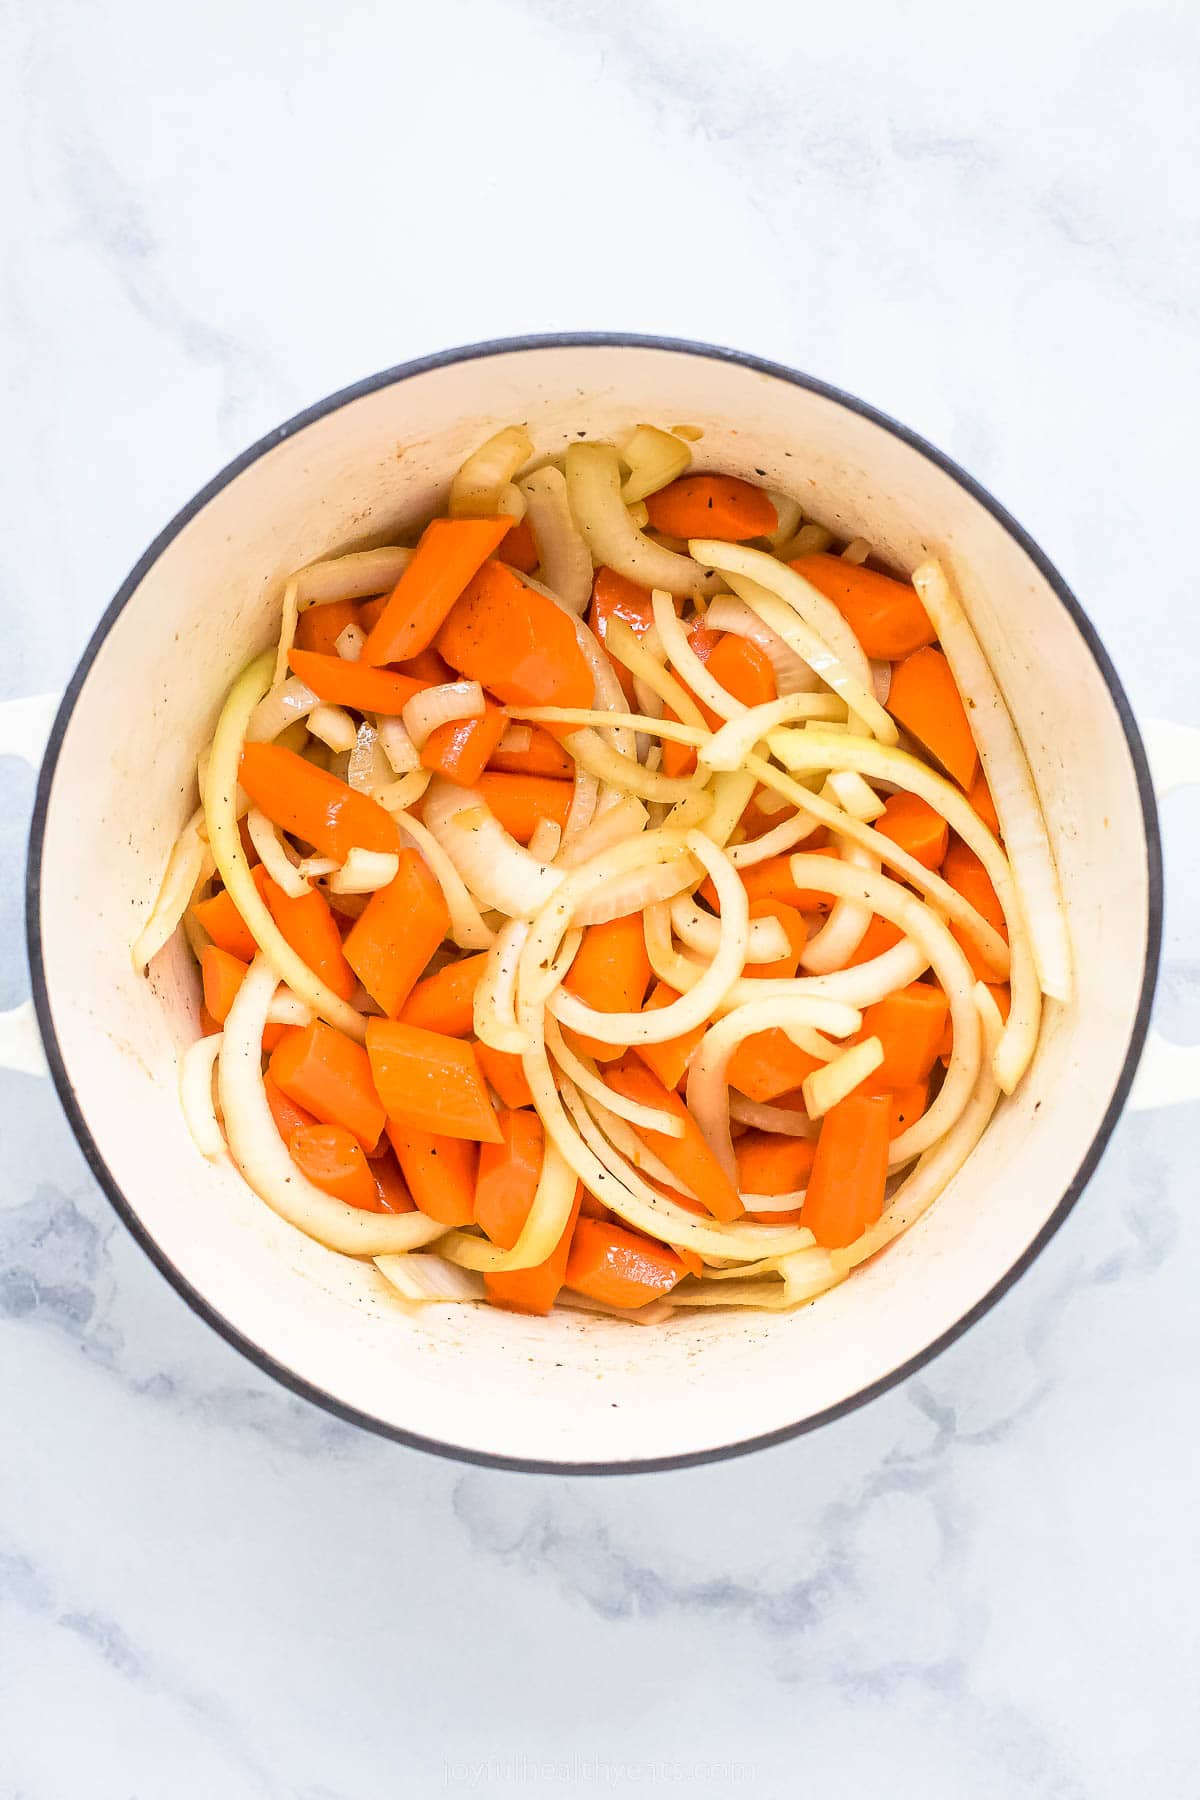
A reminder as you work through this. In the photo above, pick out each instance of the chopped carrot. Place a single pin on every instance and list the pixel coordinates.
(772, 879)
(618, 1266)
(689, 1157)
(519, 548)
(397, 932)
(438, 1170)
(616, 597)
(390, 1185)
(446, 1001)
(712, 506)
(505, 1074)
(220, 918)
(272, 1035)
(769, 1064)
(980, 796)
(344, 683)
(535, 1290)
(545, 756)
(795, 930)
(316, 806)
(332, 1157)
(885, 615)
(908, 1103)
(428, 1079)
(591, 1208)
(521, 802)
(770, 1164)
(611, 972)
(287, 1115)
(917, 827)
(668, 1060)
(925, 700)
(518, 643)
(462, 749)
(427, 667)
(308, 924)
(968, 877)
(319, 627)
(849, 1173)
(508, 1175)
(449, 554)
(329, 1074)
(1002, 994)
(909, 1025)
(369, 614)
(209, 1026)
(740, 667)
(880, 936)
(222, 975)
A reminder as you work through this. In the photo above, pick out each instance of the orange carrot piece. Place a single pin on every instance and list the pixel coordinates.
(445, 1002)
(287, 1115)
(519, 644)
(885, 615)
(521, 802)
(344, 683)
(846, 1187)
(769, 1064)
(329, 1074)
(439, 1171)
(535, 1290)
(688, 1158)
(616, 597)
(712, 506)
(909, 1024)
(770, 1164)
(369, 614)
(462, 749)
(332, 1157)
(611, 972)
(980, 796)
(545, 756)
(314, 805)
(739, 666)
(519, 548)
(428, 1079)
(668, 1060)
(209, 1026)
(771, 879)
(880, 935)
(795, 930)
(390, 1186)
(450, 553)
(917, 827)
(222, 975)
(225, 926)
(308, 924)
(427, 667)
(397, 932)
(618, 1266)
(508, 1175)
(925, 700)
(319, 627)
(505, 1073)
(908, 1103)
(967, 875)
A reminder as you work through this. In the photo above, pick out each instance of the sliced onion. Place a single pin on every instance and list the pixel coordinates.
(369, 770)
(788, 515)
(189, 864)
(781, 837)
(769, 1203)
(729, 747)
(623, 642)
(516, 741)
(398, 796)
(356, 576)
(365, 871)
(767, 941)
(654, 1312)
(275, 860)
(696, 675)
(545, 1222)
(654, 459)
(635, 1150)
(544, 840)
(739, 562)
(467, 927)
(586, 1079)
(314, 868)
(844, 930)
(849, 791)
(196, 1094)
(594, 489)
(349, 642)
(1006, 767)
(495, 993)
(627, 818)
(881, 680)
(608, 695)
(288, 1009)
(261, 1154)
(856, 551)
(625, 772)
(779, 1119)
(670, 730)
(286, 702)
(334, 726)
(441, 705)
(732, 792)
(397, 746)
(833, 1081)
(585, 794)
(805, 1274)
(289, 614)
(637, 890)
(426, 1279)
(563, 556)
(476, 489)
(811, 539)
(498, 871)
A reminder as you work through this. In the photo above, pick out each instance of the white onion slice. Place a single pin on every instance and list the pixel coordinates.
(881, 681)
(545, 840)
(397, 746)
(781, 837)
(654, 459)
(586, 1079)
(779, 1119)
(833, 1081)
(285, 703)
(477, 488)
(356, 576)
(788, 515)
(849, 791)
(365, 871)
(671, 731)
(792, 673)
(623, 1137)
(625, 772)
(654, 1312)
(563, 556)
(334, 726)
(495, 993)
(467, 927)
(594, 489)
(190, 863)
(288, 1009)
(623, 642)
(844, 930)
(769, 1203)
(544, 1225)
(273, 855)
(636, 890)
(627, 818)
(349, 642)
(740, 563)
(766, 941)
(368, 771)
(516, 741)
(426, 1279)
(196, 1094)
(441, 705)
(499, 872)
(687, 665)
(856, 551)
(398, 796)
(729, 747)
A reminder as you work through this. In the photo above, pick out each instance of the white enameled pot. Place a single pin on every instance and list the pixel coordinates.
(571, 1391)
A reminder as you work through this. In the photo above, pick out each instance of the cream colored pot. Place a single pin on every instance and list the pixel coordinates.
(118, 781)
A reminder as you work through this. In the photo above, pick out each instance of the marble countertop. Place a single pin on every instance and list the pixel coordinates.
(982, 1584)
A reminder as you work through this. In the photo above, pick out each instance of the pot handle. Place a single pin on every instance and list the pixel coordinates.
(1169, 1074)
(24, 731)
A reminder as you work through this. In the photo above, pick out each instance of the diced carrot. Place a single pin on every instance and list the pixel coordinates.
(209, 1026)
(427, 1079)
(908, 1104)
(438, 1170)
(770, 1164)
(881, 935)
(316, 806)
(915, 826)
(508, 1175)
(319, 627)
(272, 1035)
(521, 802)
(968, 877)
(740, 667)
(535, 1290)
(287, 1115)
(397, 932)
(450, 553)
(225, 926)
(390, 1185)
(345, 683)
(611, 972)
(668, 1060)
(519, 644)
(885, 615)
(909, 1025)
(545, 756)
(849, 1173)
(712, 506)
(795, 930)
(615, 596)
(519, 548)
(505, 1074)
(769, 1064)
(591, 1208)
(446, 1001)
(618, 1266)
(462, 749)
(772, 879)
(369, 614)
(688, 1157)
(980, 796)
(308, 924)
(222, 975)
(328, 1073)
(427, 667)
(332, 1157)
(925, 700)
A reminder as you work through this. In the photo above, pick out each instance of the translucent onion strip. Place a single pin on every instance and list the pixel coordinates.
(274, 858)
(849, 791)
(700, 931)
(589, 1082)
(444, 704)
(563, 556)
(729, 747)
(368, 771)
(426, 1279)
(627, 818)
(594, 488)
(397, 746)
(196, 1094)
(356, 576)
(364, 871)
(398, 796)
(792, 673)
(476, 489)
(624, 1138)
(654, 458)
(687, 665)
(670, 730)
(467, 927)
(334, 726)
(835, 1080)
(285, 703)
(623, 642)
(349, 642)
(739, 563)
(624, 772)
(495, 993)
(544, 1225)
(844, 930)
(778, 1119)
(499, 872)
(190, 863)
(781, 837)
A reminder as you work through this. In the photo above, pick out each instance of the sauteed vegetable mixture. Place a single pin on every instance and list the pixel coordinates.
(624, 897)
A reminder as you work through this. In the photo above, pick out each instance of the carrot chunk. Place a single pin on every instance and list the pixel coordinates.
(925, 700)
(519, 644)
(462, 749)
(521, 802)
(980, 796)
(439, 1170)
(795, 930)
(618, 1266)
(319, 627)
(427, 1079)
(505, 1074)
(668, 1060)
(917, 827)
(770, 1164)
(688, 1157)
(545, 756)
(846, 1187)
(225, 926)
(328, 1073)
(397, 932)
(508, 1175)
(449, 554)
(967, 875)
(535, 1290)
(316, 806)
(287, 1115)
(741, 668)
(616, 597)
(446, 1001)
(333, 1158)
(909, 1024)
(221, 975)
(769, 1064)
(611, 972)
(712, 506)
(344, 683)
(885, 615)
(308, 924)
(519, 548)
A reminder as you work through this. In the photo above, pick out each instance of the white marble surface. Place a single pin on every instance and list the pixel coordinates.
(984, 220)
